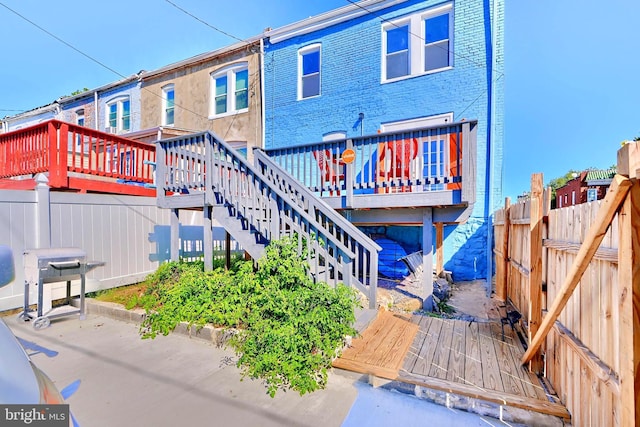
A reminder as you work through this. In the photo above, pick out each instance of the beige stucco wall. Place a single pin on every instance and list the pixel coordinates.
(192, 91)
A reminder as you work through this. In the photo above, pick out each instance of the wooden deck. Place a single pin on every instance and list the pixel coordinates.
(464, 358)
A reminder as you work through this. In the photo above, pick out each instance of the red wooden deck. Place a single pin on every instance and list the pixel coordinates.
(76, 158)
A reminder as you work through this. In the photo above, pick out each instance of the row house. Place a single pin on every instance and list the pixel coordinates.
(390, 111)
(387, 67)
(586, 186)
(218, 91)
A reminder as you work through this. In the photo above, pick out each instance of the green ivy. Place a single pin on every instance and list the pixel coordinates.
(290, 328)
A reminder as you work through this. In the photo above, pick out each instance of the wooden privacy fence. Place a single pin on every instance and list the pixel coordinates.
(574, 274)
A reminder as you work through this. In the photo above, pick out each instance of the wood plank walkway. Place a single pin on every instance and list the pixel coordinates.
(454, 356)
(382, 347)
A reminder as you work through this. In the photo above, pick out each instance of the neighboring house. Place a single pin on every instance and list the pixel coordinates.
(587, 186)
(31, 117)
(218, 91)
(119, 108)
(388, 66)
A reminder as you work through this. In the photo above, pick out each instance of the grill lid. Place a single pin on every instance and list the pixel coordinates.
(40, 258)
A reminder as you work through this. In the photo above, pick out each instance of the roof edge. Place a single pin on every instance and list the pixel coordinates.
(328, 19)
(202, 57)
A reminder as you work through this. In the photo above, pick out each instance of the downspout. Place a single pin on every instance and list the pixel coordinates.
(96, 125)
(262, 95)
(492, 113)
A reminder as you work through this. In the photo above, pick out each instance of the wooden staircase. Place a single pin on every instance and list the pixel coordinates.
(257, 204)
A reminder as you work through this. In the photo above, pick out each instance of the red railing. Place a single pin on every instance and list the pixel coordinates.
(76, 158)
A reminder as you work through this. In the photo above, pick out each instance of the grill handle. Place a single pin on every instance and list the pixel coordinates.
(65, 265)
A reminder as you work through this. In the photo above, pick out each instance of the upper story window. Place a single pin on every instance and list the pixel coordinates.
(119, 115)
(309, 71)
(418, 44)
(230, 90)
(397, 52)
(168, 105)
(436, 42)
(80, 117)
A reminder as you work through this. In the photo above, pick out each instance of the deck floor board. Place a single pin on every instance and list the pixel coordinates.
(471, 357)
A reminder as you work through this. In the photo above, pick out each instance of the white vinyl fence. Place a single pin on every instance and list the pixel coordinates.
(130, 234)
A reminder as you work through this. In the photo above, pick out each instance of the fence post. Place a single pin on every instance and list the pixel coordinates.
(535, 267)
(629, 282)
(43, 212)
(502, 278)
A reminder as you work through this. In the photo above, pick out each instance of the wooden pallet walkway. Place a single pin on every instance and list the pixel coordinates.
(453, 356)
(381, 348)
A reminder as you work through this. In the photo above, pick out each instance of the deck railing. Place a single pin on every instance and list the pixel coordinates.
(417, 161)
(365, 266)
(79, 158)
(204, 165)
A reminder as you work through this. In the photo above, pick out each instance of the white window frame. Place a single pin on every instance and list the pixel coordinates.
(165, 104)
(315, 47)
(592, 194)
(119, 102)
(419, 122)
(230, 73)
(335, 135)
(416, 42)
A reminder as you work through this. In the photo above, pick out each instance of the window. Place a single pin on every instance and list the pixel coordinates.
(240, 147)
(418, 44)
(573, 197)
(436, 42)
(168, 105)
(119, 115)
(80, 117)
(335, 135)
(420, 122)
(592, 194)
(309, 71)
(230, 90)
(397, 52)
(80, 122)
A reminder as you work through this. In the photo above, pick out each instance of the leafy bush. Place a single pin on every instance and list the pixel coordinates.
(289, 328)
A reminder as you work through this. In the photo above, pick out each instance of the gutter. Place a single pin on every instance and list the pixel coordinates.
(95, 110)
(262, 94)
(492, 137)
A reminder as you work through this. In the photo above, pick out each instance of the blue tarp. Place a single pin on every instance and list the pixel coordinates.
(389, 264)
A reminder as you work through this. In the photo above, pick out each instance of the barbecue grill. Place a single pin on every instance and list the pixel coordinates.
(53, 265)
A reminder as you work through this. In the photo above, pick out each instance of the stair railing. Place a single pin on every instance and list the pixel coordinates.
(204, 163)
(365, 266)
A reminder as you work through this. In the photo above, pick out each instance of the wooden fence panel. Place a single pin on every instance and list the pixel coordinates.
(582, 349)
(519, 256)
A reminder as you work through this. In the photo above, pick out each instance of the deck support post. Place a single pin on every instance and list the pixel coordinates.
(175, 234)
(227, 250)
(427, 258)
(207, 226)
(439, 248)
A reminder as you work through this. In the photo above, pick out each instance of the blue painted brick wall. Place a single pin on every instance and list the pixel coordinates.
(351, 84)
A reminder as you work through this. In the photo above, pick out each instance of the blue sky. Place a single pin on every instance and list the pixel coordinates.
(572, 66)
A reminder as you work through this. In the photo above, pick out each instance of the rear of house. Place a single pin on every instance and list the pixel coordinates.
(380, 67)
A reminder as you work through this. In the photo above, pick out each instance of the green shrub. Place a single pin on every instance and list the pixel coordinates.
(289, 327)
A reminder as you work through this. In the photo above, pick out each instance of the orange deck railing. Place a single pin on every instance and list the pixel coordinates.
(76, 158)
